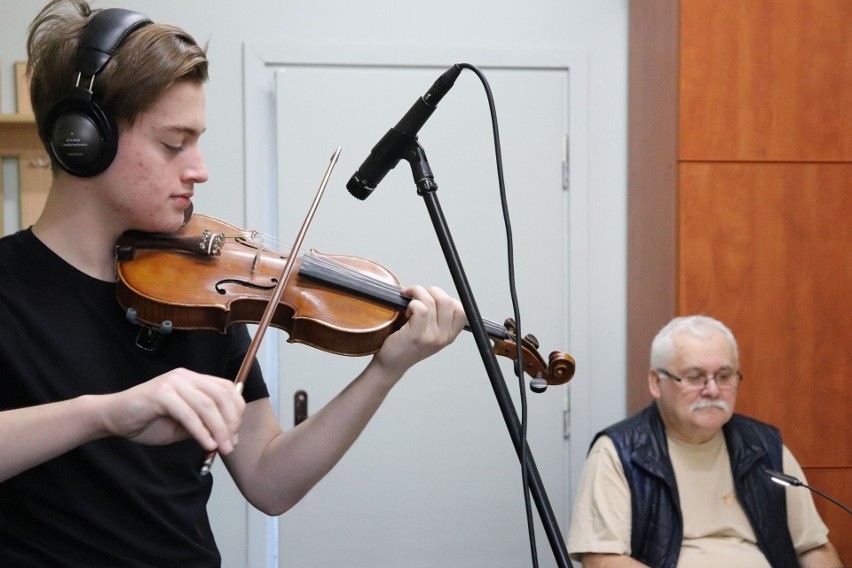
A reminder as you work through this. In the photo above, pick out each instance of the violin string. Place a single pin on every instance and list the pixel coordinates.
(280, 246)
(373, 286)
(360, 282)
(346, 276)
(260, 239)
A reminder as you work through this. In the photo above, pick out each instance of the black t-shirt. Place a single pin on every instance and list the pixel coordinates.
(110, 502)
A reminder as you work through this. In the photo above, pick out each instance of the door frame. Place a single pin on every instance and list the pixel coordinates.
(260, 59)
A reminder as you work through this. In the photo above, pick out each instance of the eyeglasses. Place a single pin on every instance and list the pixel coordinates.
(726, 379)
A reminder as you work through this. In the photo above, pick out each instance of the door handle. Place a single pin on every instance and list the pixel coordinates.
(300, 407)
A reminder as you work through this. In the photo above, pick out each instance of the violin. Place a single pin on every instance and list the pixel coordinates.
(210, 275)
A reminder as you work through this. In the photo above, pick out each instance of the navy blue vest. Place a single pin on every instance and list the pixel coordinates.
(657, 524)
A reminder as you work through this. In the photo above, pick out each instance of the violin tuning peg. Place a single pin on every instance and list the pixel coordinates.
(509, 324)
(532, 340)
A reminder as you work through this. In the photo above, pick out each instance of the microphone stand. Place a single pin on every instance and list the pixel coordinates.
(426, 187)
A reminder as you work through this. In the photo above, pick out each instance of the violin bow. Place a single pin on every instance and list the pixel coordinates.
(269, 312)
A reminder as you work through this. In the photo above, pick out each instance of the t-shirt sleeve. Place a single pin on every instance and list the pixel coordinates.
(806, 526)
(601, 517)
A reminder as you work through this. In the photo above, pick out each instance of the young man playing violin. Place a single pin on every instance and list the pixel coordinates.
(103, 440)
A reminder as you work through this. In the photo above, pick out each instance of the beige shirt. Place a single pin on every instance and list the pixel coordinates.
(716, 531)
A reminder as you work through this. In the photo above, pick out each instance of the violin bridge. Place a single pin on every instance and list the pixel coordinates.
(257, 254)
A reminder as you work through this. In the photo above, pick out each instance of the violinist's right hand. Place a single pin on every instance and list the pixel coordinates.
(174, 406)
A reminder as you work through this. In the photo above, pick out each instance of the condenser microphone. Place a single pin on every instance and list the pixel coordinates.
(392, 147)
(784, 479)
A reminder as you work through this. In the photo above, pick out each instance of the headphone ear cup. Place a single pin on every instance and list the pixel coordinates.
(79, 135)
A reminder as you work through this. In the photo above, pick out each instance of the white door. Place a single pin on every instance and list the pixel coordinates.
(434, 480)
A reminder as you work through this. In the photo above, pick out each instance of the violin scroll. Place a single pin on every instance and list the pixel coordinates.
(558, 370)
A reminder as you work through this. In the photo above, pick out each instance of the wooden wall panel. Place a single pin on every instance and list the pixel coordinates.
(834, 482)
(652, 173)
(766, 80)
(766, 249)
(762, 202)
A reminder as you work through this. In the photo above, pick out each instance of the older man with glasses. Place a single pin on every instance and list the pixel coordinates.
(683, 483)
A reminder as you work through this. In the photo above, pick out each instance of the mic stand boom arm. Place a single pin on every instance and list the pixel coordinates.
(426, 187)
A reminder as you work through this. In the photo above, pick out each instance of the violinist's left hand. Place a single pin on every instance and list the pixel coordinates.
(435, 319)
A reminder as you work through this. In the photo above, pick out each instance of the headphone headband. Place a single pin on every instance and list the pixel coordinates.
(102, 36)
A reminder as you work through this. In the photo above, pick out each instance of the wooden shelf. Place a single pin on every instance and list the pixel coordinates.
(17, 118)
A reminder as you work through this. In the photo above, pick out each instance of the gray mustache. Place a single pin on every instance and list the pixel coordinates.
(707, 403)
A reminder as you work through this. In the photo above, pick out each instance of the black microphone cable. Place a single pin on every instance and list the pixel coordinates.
(784, 479)
(519, 367)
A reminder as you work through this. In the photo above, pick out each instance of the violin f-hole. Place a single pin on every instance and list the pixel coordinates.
(221, 283)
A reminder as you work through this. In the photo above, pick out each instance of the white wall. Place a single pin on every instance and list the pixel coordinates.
(595, 27)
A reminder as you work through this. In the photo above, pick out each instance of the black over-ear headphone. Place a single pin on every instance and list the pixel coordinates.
(80, 135)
